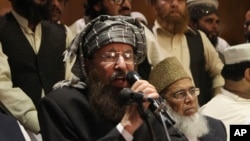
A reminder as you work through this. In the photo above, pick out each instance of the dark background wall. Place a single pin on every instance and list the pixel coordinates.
(232, 13)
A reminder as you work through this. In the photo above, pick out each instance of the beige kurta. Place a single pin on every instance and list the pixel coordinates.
(176, 45)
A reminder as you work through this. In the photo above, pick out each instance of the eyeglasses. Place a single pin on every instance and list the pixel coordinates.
(171, 1)
(182, 94)
(112, 57)
(119, 2)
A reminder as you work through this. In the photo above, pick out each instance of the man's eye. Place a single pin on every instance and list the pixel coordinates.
(180, 94)
(109, 55)
(127, 55)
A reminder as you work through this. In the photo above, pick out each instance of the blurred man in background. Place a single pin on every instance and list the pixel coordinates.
(205, 17)
(56, 10)
(247, 26)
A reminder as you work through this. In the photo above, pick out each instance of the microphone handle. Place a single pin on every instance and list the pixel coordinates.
(156, 106)
(159, 110)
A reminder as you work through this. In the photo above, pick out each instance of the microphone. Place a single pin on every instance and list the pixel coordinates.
(132, 77)
(157, 106)
(127, 96)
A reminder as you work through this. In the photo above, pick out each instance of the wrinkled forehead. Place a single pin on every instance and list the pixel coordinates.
(39, 2)
(115, 47)
(180, 84)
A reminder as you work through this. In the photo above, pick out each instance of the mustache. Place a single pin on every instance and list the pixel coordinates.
(117, 75)
(54, 8)
(124, 9)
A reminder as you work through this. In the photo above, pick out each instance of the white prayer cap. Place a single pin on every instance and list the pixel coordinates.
(214, 3)
(236, 54)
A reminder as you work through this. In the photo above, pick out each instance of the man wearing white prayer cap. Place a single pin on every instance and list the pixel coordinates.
(232, 106)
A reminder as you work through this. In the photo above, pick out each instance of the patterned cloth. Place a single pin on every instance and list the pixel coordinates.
(99, 32)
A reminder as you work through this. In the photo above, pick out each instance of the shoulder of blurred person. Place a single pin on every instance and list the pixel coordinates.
(234, 96)
(78, 26)
(140, 17)
(222, 45)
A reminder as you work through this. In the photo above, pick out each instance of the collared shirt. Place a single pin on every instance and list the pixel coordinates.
(229, 108)
(126, 135)
(176, 45)
(13, 99)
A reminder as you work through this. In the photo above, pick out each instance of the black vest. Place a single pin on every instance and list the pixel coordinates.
(197, 66)
(29, 71)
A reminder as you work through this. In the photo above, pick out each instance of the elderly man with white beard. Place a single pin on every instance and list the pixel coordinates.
(180, 95)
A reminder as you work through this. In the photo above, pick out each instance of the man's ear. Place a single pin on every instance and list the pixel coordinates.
(247, 74)
(98, 6)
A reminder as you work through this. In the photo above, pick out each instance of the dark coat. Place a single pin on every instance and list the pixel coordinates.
(9, 129)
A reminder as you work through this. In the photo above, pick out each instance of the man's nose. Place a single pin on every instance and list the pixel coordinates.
(120, 62)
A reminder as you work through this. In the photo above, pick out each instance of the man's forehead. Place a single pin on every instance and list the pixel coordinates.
(211, 16)
(181, 84)
(116, 46)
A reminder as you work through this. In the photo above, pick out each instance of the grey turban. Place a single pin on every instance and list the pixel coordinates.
(102, 31)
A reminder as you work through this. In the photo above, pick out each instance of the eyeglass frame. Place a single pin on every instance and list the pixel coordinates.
(171, 1)
(120, 2)
(105, 56)
(184, 93)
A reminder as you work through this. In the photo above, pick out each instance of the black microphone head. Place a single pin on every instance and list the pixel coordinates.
(124, 95)
(132, 76)
(127, 96)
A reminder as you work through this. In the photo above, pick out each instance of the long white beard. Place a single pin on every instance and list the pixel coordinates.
(193, 126)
